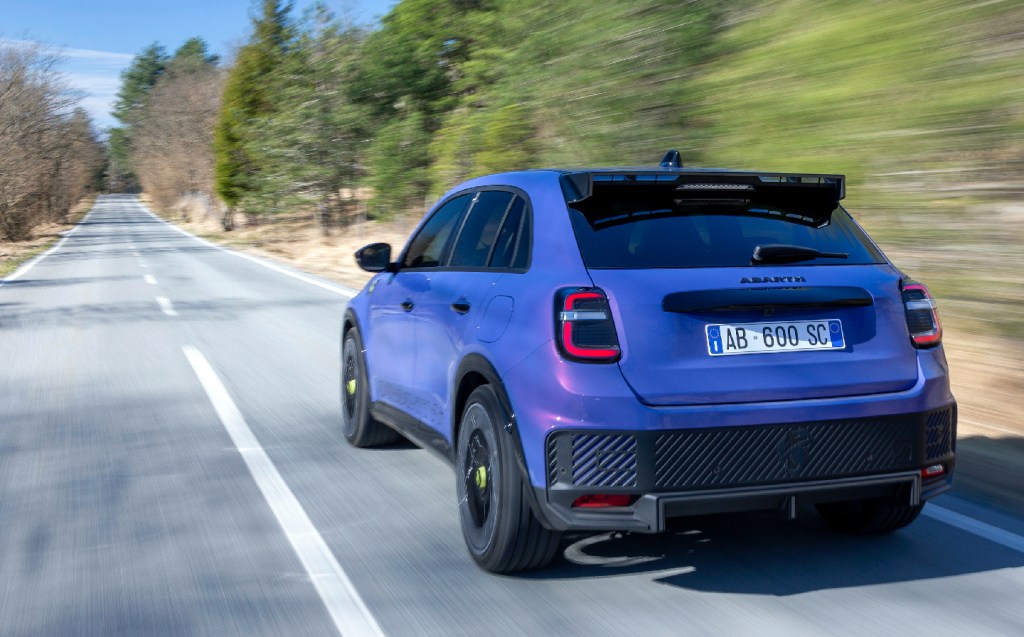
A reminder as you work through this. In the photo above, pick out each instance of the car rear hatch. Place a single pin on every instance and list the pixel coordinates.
(702, 321)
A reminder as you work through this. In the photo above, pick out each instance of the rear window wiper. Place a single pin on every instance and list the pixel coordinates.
(785, 253)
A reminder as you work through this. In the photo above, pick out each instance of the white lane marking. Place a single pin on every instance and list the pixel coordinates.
(148, 278)
(165, 306)
(25, 267)
(142, 265)
(975, 527)
(248, 257)
(346, 607)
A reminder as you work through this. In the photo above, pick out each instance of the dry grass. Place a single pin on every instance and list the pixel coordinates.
(14, 253)
(298, 241)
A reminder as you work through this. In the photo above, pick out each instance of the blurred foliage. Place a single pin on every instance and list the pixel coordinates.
(919, 104)
(249, 94)
(307, 148)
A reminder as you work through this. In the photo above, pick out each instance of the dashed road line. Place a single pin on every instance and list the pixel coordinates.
(344, 604)
(165, 306)
(150, 279)
(267, 264)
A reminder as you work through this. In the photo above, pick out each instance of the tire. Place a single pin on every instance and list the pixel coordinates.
(359, 428)
(868, 517)
(501, 531)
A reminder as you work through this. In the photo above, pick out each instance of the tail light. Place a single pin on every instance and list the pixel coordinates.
(922, 319)
(586, 331)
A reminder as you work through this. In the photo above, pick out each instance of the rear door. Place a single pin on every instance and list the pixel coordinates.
(702, 322)
(453, 307)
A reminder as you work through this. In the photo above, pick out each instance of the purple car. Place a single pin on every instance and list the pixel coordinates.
(607, 349)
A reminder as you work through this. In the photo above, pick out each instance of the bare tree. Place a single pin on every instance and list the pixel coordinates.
(50, 153)
(172, 145)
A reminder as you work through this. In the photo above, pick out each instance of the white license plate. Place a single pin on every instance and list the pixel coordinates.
(764, 338)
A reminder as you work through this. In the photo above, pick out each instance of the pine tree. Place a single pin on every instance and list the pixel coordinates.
(136, 83)
(249, 96)
(308, 149)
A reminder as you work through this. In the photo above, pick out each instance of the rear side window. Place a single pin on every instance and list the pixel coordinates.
(623, 231)
(511, 248)
(430, 245)
(473, 246)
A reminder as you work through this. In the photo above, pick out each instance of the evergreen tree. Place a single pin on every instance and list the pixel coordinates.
(249, 95)
(136, 83)
(308, 149)
(191, 57)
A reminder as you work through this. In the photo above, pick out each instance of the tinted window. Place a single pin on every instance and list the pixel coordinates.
(505, 245)
(521, 257)
(634, 232)
(477, 236)
(429, 247)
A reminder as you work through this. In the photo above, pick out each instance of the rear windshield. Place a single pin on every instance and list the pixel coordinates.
(626, 232)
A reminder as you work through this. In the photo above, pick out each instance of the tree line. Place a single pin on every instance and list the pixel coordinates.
(51, 156)
(315, 112)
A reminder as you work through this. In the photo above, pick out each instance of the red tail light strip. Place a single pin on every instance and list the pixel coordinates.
(926, 303)
(570, 314)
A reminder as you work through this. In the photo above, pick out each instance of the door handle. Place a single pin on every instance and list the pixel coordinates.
(461, 306)
(407, 306)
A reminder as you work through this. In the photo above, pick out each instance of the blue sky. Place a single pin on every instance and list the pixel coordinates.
(98, 38)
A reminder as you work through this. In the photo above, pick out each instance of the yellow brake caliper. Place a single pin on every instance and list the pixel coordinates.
(481, 478)
(350, 387)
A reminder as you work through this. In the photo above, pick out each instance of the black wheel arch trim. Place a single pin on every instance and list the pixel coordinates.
(350, 317)
(477, 364)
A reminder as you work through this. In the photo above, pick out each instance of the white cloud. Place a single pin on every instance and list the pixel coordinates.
(94, 82)
(99, 57)
(96, 75)
(95, 57)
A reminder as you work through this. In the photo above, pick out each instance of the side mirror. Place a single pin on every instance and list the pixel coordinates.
(375, 257)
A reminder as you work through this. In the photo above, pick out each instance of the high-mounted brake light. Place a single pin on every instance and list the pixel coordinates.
(586, 331)
(922, 317)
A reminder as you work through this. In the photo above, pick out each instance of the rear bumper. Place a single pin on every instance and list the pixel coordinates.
(651, 512)
(682, 472)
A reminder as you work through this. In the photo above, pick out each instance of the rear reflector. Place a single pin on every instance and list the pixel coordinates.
(586, 331)
(932, 471)
(922, 319)
(600, 501)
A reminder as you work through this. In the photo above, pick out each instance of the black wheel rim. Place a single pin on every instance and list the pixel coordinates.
(350, 385)
(478, 478)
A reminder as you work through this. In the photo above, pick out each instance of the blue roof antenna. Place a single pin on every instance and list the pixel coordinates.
(672, 160)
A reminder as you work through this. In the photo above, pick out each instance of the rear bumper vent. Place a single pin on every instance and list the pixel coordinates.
(726, 457)
(939, 434)
(595, 460)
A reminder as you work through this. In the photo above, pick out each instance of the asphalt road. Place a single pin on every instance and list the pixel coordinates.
(171, 464)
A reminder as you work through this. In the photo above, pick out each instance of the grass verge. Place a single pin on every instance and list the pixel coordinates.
(14, 253)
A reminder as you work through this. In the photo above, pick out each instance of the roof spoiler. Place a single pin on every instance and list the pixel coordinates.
(579, 185)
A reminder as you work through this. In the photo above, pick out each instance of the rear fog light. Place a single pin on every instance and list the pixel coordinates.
(601, 501)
